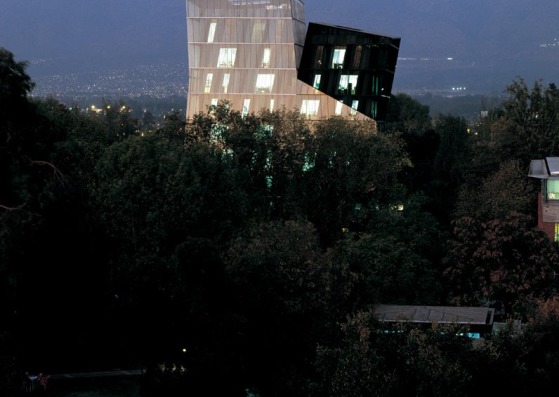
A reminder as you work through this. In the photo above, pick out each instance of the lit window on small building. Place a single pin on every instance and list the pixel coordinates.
(272, 103)
(226, 57)
(309, 107)
(556, 233)
(338, 58)
(553, 189)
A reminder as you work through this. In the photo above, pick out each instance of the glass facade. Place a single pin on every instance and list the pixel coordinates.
(353, 66)
(248, 52)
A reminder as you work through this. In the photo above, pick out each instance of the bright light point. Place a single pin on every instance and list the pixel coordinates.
(184, 350)
(449, 59)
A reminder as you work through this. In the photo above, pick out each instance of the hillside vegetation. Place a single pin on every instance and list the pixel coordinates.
(247, 253)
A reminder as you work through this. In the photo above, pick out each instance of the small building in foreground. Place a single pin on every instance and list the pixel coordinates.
(479, 320)
(547, 170)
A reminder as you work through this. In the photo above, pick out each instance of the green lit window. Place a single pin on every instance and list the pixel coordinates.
(553, 189)
(556, 234)
(374, 109)
(317, 81)
(375, 85)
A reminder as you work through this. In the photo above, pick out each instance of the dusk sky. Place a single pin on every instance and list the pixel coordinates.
(68, 35)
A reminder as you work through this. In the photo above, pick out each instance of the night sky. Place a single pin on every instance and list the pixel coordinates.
(499, 35)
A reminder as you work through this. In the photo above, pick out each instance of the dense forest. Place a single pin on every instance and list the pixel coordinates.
(249, 252)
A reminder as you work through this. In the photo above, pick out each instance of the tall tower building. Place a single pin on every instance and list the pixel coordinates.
(248, 52)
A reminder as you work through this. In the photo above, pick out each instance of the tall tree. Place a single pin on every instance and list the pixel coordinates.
(351, 172)
(449, 165)
(278, 285)
(501, 263)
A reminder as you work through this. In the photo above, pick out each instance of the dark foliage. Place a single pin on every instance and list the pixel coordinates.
(234, 255)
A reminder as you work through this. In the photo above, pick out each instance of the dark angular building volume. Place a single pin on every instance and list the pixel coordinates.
(256, 55)
(350, 65)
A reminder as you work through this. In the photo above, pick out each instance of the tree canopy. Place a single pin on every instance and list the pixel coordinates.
(250, 251)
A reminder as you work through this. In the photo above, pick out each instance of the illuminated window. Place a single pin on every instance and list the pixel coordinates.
(226, 57)
(272, 103)
(246, 106)
(211, 32)
(374, 109)
(354, 105)
(225, 83)
(375, 88)
(266, 58)
(553, 189)
(556, 234)
(258, 31)
(208, 85)
(316, 83)
(264, 83)
(339, 106)
(346, 80)
(213, 105)
(310, 107)
(338, 59)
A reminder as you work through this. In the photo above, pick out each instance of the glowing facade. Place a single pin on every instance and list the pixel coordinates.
(248, 52)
